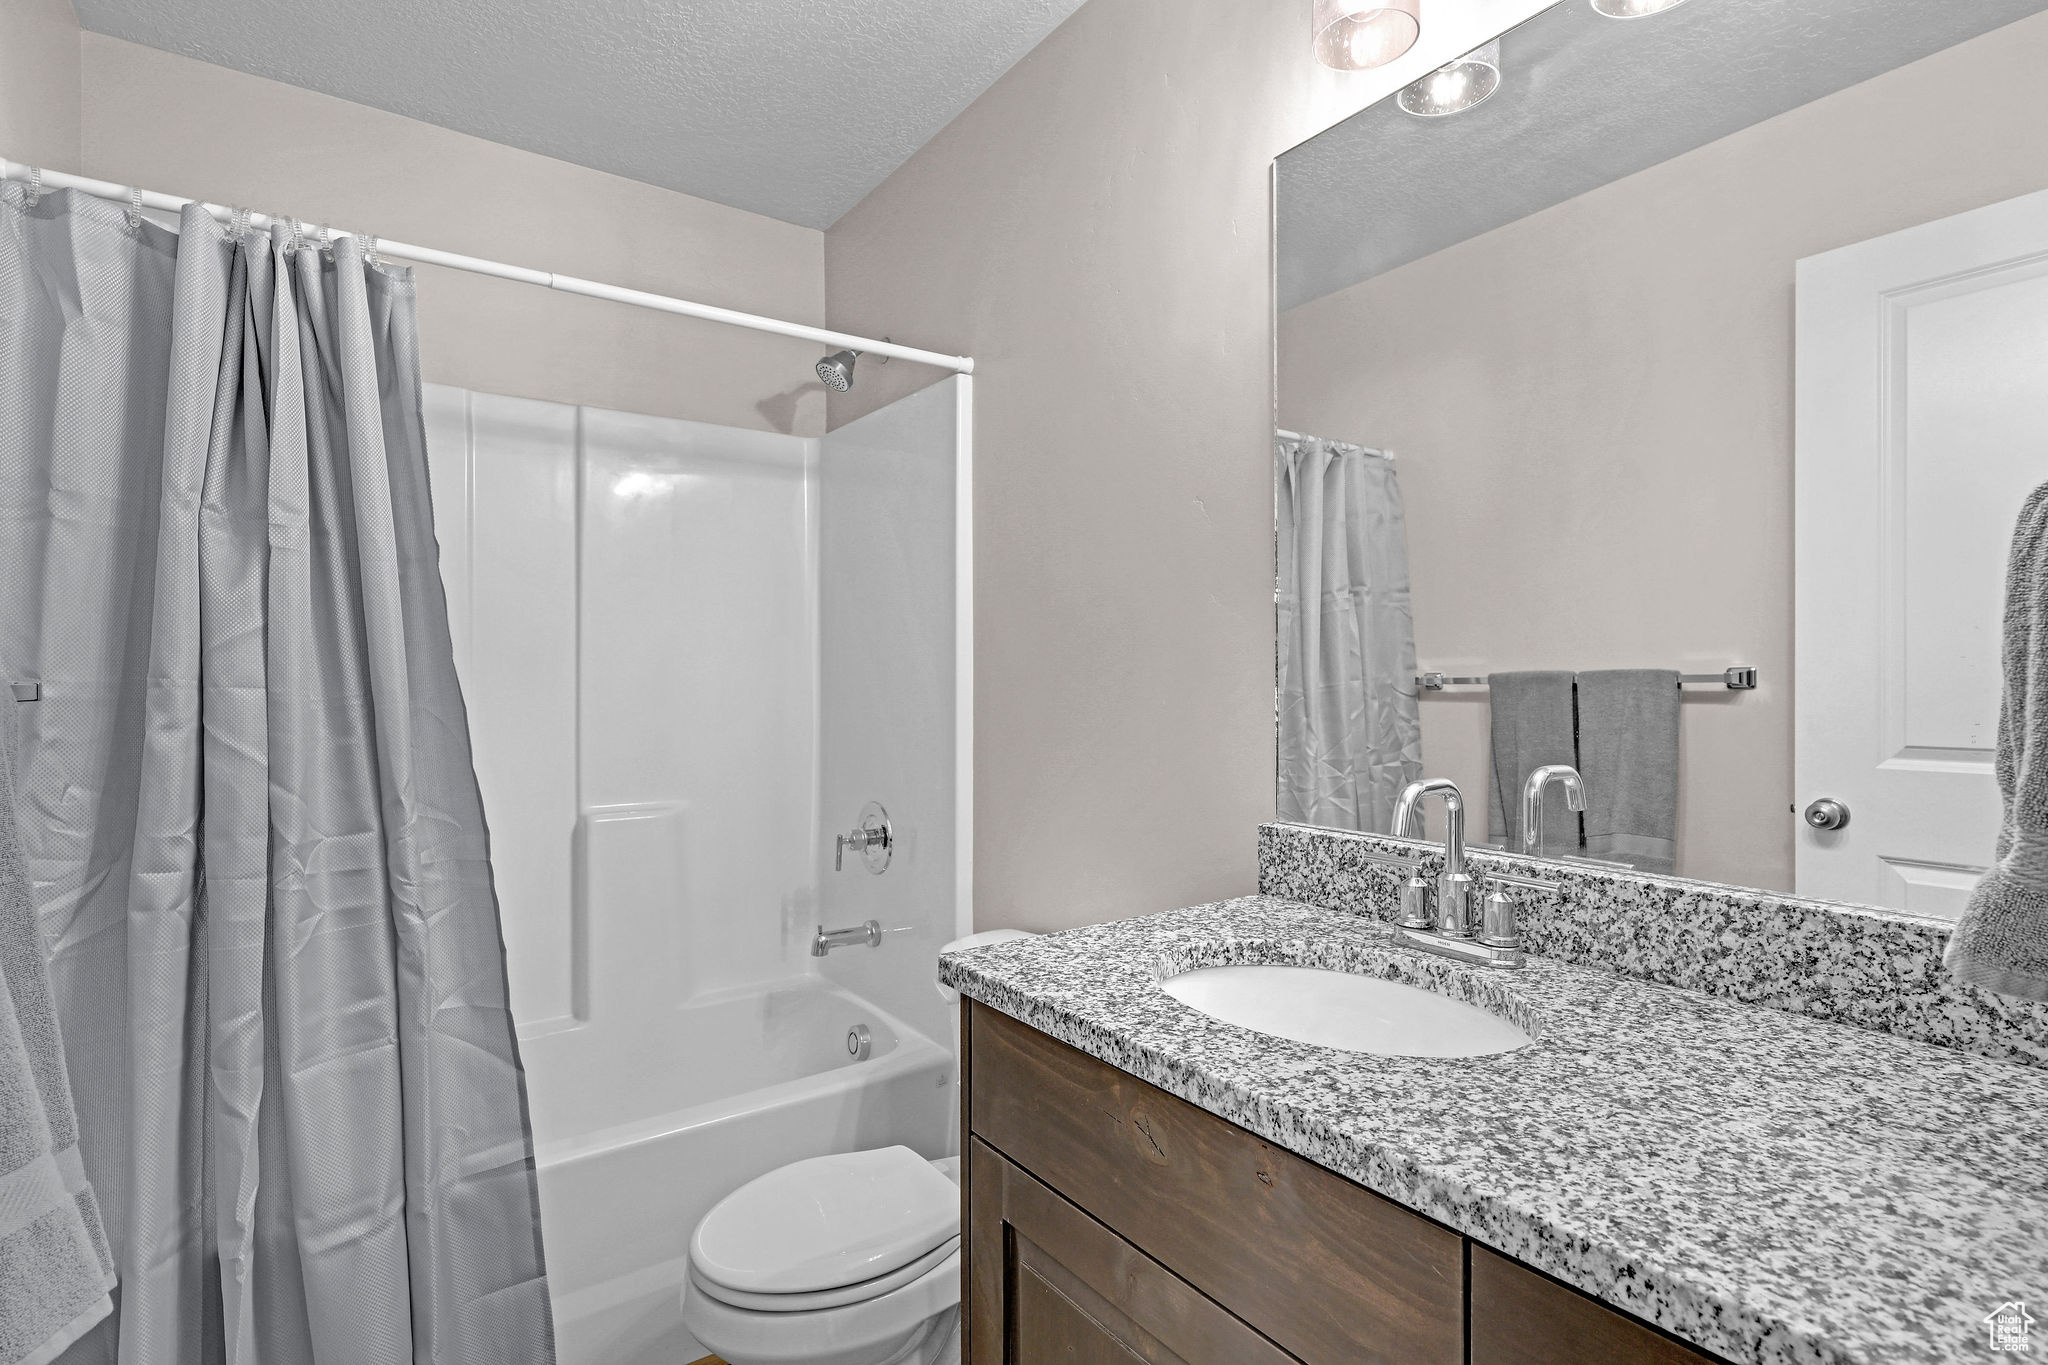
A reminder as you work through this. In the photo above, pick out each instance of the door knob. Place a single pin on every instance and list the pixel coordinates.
(1827, 813)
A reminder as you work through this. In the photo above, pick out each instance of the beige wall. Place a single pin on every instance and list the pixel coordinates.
(170, 123)
(1593, 413)
(39, 83)
(1096, 231)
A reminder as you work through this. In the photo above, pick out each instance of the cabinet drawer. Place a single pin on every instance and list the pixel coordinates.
(1522, 1318)
(1331, 1272)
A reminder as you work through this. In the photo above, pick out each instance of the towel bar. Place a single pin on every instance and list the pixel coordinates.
(1740, 678)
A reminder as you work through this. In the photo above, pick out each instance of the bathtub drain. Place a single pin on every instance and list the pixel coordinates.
(858, 1043)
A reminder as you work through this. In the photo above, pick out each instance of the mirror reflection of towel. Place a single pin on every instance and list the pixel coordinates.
(2001, 942)
(1628, 757)
(1532, 728)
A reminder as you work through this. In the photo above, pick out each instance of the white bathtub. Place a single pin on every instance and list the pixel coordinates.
(752, 1083)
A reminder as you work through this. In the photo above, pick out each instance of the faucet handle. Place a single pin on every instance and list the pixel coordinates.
(873, 839)
(1497, 926)
(1416, 912)
(1416, 892)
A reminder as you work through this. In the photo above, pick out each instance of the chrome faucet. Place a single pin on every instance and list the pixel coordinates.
(1454, 884)
(1450, 931)
(868, 932)
(1532, 801)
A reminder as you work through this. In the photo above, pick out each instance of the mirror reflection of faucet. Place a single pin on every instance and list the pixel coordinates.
(1532, 802)
(872, 839)
(1463, 917)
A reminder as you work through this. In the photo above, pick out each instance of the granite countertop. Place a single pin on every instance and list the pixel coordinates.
(1770, 1187)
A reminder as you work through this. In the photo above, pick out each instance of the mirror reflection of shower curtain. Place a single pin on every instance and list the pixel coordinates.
(1350, 730)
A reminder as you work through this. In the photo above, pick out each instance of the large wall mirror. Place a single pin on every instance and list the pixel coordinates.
(1666, 413)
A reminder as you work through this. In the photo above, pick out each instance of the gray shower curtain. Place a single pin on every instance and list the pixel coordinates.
(248, 804)
(1350, 730)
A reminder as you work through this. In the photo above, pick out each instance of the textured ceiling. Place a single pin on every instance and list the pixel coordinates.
(792, 108)
(1584, 100)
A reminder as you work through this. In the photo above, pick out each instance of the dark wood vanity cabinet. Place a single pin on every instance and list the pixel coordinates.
(1108, 1221)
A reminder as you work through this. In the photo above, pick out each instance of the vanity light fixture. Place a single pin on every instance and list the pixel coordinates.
(1455, 86)
(1633, 9)
(1357, 35)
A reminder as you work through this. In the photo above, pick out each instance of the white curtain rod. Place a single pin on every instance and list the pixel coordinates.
(1284, 434)
(568, 284)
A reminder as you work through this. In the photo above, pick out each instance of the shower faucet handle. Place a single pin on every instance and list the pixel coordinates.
(872, 839)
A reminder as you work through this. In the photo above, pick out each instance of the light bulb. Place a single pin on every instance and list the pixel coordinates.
(1357, 35)
(1633, 9)
(1455, 86)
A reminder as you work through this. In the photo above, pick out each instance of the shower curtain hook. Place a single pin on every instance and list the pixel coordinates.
(35, 185)
(326, 240)
(370, 250)
(238, 223)
(134, 210)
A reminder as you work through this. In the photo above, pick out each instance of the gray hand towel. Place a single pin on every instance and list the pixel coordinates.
(1628, 757)
(55, 1268)
(2001, 941)
(1532, 726)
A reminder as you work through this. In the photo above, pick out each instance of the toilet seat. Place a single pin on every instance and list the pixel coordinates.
(827, 1231)
(826, 1298)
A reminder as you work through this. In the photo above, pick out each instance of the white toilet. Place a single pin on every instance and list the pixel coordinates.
(847, 1259)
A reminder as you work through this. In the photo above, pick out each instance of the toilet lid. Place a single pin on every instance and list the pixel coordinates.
(827, 1222)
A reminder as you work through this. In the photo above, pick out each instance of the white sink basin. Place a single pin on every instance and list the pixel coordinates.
(1337, 1009)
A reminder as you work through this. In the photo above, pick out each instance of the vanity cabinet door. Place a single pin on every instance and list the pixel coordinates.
(1521, 1318)
(1051, 1286)
(1330, 1272)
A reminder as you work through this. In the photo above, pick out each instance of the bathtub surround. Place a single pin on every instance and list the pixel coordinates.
(1780, 1191)
(1874, 969)
(896, 701)
(2001, 942)
(247, 784)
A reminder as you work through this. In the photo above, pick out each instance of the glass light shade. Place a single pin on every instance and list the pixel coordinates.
(1455, 86)
(1633, 9)
(1357, 35)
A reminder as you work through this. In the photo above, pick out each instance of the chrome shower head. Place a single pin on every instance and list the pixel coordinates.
(836, 370)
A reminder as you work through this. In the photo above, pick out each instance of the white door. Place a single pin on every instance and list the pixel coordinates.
(1922, 425)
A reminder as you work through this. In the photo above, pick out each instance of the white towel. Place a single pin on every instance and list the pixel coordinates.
(55, 1268)
(2001, 942)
